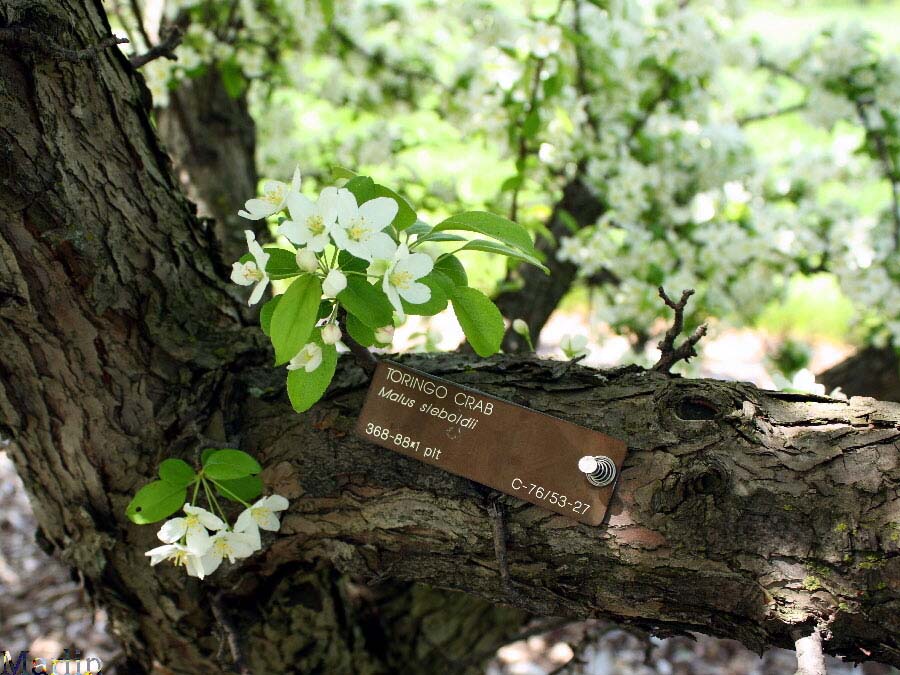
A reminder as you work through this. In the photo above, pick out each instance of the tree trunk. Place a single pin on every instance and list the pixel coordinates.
(539, 294)
(741, 513)
(212, 141)
(872, 371)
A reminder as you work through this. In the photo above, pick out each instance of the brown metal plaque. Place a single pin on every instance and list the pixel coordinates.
(521, 452)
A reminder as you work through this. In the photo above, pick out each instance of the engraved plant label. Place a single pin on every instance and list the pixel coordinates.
(519, 451)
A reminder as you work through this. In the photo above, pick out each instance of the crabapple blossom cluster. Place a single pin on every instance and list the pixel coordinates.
(359, 260)
(202, 538)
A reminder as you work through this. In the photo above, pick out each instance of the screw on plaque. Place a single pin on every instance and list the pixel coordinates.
(600, 470)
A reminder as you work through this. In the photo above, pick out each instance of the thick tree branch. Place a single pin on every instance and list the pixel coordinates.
(669, 353)
(26, 37)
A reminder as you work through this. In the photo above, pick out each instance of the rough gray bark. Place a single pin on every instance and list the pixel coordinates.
(211, 138)
(739, 512)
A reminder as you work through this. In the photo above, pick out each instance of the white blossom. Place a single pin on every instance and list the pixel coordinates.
(180, 557)
(226, 544)
(252, 271)
(311, 222)
(261, 515)
(273, 200)
(194, 526)
(400, 271)
(574, 346)
(309, 358)
(384, 335)
(359, 228)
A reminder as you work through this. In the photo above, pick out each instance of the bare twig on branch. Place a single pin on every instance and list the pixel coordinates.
(670, 354)
(231, 634)
(166, 48)
(32, 39)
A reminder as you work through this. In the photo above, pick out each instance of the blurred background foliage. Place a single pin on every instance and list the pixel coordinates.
(747, 149)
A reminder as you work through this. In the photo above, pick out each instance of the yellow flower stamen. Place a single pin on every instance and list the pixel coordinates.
(400, 279)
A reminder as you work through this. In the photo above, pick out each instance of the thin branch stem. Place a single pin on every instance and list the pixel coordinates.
(669, 353)
(166, 48)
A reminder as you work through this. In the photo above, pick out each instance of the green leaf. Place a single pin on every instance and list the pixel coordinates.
(514, 182)
(406, 215)
(437, 302)
(305, 389)
(360, 332)
(294, 317)
(155, 501)
(367, 302)
(282, 263)
(531, 124)
(324, 309)
(490, 225)
(232, 78)
(479, 318)
(419, 227)
(338, 172)
(362, 187)
(451, 266)
(495, 247)
(350, 263)
(229, 464)
(177, 472)
(441, 236)
(265, 314)
(247, 488)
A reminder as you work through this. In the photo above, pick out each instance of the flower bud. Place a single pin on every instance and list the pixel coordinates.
(331, 333)
(520, 327)
(306, 260)
(334, 283)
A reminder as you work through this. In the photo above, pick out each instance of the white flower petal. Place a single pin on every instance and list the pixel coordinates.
(274, 502)
(295, 233)
(239, 274)
(334, 283)
(346, 206)
(160, 553)
(194, 567)
(382, 247)
(295, 179)
(209, 563)
(300, 207)
(418, 265)
(257, 209)
(415, 293)
(172, 530)
(198, 540)
(210, 520)
(379, 212)
(241, 545)
(261, 257)
(244, 521)
(258, 291)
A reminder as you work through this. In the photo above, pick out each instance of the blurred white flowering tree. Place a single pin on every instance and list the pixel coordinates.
(611, 128)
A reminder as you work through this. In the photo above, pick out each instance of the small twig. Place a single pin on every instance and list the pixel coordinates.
(40, 42)
(669, 353)
(166, 48)
(769, 114)
(810, 656)
(364, 358)
(231, 634)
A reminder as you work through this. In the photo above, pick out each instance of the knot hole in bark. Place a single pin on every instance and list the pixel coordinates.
(696, 408)
(702, 479)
